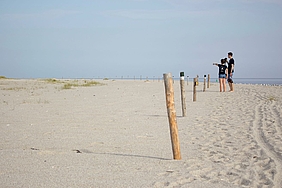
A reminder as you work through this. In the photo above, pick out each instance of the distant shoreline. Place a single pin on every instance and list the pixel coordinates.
(254, 81)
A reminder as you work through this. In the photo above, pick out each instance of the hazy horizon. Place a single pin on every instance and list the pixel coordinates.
(90, 39)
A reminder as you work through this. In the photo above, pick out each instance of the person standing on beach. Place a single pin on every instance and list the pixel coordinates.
(222, 74)
(231, 65)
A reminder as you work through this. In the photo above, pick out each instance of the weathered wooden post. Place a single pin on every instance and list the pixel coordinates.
(204, 83)
(187, 80)
(209, 79)
(183, 98)
(194, 89)
(168, 82)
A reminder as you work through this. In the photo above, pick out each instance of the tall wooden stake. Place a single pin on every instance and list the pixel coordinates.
(204, 83)
(194, 89)
(209, 79)
(183, 99)
(172, 116)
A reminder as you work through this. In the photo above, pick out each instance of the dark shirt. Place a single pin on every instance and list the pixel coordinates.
(231, 61)
(222, 69)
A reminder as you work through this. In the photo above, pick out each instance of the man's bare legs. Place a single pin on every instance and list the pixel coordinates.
(231, 86)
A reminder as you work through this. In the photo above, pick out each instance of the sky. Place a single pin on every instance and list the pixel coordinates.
(114, 38)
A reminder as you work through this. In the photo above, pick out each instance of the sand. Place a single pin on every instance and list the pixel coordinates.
(117, 135)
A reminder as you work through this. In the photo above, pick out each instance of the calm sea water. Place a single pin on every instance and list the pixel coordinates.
(267, 81)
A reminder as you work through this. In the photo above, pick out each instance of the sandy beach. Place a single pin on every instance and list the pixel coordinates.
(116, 134)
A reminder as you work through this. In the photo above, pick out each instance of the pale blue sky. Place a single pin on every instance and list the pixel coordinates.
(109, 38)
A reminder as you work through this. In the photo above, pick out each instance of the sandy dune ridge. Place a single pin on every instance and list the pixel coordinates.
(117, 135)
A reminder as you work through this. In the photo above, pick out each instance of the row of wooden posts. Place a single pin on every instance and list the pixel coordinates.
(168, 82)
(196, 83)
(141, 78)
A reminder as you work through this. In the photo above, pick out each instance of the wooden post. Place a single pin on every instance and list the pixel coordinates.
(209, 79)
(168, 82)
(183, 100)
(204, 83)
(187, 80)
(194, 89)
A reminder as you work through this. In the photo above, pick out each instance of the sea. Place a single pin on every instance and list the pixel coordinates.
(258, 81)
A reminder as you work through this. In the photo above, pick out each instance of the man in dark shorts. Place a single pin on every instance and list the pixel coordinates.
(231, 64)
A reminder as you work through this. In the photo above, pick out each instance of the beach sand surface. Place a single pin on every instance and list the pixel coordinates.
(117, 135)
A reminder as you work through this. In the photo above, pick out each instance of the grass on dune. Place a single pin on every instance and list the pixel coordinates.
(272, 98)
(68, 84)
(91, 83)
(76, 84)
(14, 88)
(52, 81)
